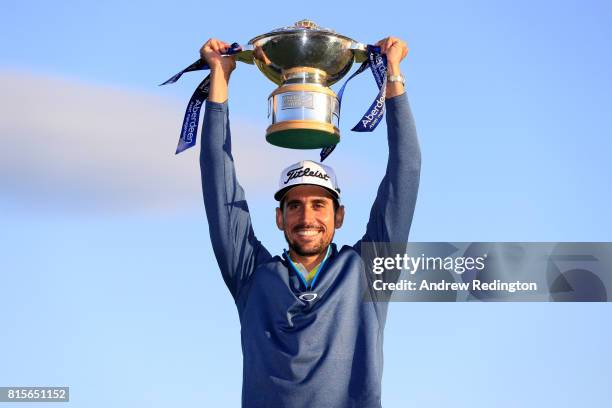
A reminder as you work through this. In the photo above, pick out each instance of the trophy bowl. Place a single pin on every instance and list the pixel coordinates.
(304, 60)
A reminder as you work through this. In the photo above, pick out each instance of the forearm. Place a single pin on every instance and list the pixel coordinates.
(216, 162)
(403, 168)
(219, 81)
(394, 88)
(404, 149)
(221, 67)
(216, 166)
(391, 214)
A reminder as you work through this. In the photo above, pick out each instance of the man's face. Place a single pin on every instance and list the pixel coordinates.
(308, 219)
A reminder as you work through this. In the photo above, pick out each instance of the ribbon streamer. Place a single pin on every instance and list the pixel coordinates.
(191, 120)
(374, 114)
(370, 120)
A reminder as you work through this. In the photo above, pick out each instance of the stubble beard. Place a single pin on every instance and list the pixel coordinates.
(318, 249)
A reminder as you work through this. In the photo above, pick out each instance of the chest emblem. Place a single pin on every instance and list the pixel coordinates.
(308, 297)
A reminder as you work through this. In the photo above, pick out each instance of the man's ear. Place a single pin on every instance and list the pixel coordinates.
(339, 217)
(280, 223)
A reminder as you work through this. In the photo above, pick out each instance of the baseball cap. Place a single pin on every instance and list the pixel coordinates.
(307, 172)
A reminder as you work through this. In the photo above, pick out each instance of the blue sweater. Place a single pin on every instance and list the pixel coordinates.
(325, 352)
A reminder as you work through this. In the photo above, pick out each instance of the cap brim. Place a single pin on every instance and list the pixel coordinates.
(281, 193)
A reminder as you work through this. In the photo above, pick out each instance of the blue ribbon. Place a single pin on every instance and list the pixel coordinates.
(370, 120)
(196, 66)
(191, 120)
(374, 114)
(326, 151)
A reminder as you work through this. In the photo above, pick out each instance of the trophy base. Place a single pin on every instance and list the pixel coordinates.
(302, 134)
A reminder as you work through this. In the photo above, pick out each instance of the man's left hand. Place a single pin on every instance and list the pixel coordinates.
(395, 50)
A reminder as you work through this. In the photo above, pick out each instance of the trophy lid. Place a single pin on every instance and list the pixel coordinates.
(301, 26)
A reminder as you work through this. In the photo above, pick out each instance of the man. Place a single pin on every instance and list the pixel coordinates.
(308, 337)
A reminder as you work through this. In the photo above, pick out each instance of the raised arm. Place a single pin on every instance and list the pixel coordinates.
(236, 248)
(391, 214)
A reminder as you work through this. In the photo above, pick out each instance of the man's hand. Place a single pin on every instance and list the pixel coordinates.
(220, 68)
(211, 53)
(395, 50)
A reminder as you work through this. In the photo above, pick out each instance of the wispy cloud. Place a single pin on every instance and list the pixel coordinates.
(66, 144)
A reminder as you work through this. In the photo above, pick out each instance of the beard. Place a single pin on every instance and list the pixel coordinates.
(313, 249)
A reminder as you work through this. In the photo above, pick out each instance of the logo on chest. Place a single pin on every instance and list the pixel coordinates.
(308, 296)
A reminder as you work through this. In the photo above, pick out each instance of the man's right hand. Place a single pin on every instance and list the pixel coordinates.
(220, 68)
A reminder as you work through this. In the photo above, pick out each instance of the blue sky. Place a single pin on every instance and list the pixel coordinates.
(107, 279)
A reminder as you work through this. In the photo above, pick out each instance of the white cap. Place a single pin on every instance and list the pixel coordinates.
(307, 172)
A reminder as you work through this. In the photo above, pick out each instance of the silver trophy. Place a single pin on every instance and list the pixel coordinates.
(304, 60)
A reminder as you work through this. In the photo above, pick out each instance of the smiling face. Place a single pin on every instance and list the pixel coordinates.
(309, 220)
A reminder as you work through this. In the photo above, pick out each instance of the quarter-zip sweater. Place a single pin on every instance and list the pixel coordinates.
(307, 347)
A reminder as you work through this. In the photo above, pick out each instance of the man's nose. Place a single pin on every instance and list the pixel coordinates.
(307, 215)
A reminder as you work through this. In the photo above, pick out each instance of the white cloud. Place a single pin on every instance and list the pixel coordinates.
(75, 146)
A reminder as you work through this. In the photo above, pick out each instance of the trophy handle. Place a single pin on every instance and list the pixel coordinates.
(245, 54)
(360, 51)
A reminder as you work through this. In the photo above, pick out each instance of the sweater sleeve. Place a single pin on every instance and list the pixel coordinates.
(393, 208)
(391, 214)
(237, 250)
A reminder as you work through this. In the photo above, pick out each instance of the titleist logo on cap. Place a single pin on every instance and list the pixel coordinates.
(305, 172)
